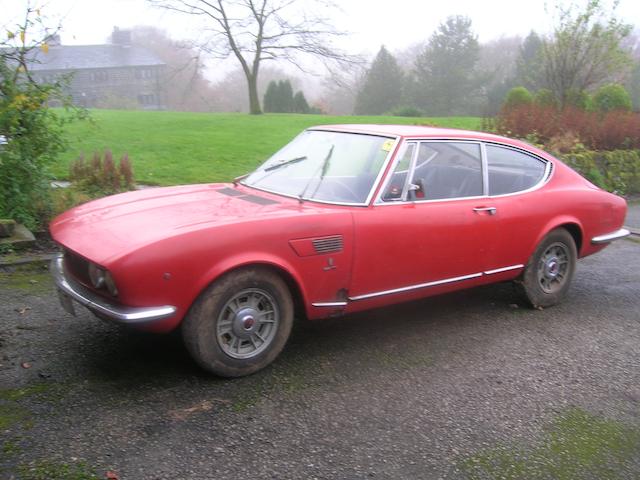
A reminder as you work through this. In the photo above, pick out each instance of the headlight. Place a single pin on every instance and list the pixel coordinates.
(111, 285)
(96, 274)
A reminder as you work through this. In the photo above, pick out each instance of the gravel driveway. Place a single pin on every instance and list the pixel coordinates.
(469, 385)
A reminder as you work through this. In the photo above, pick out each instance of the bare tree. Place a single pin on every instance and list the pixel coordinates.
(254, 31)
(585, 50)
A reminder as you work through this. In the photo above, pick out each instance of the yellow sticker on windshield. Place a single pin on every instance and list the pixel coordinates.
(386, 146)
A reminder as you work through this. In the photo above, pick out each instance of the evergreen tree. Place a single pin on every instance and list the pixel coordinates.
(300, 104)
(529, 62)
(446, 69)
(284, 97)
(381, 91)
(279, 97)
(270, 97)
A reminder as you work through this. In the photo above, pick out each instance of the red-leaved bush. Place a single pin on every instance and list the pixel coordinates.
(597, 131)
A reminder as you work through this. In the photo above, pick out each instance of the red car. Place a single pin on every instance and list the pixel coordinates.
(342, 219)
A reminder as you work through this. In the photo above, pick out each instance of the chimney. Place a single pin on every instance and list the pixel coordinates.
(121, 37)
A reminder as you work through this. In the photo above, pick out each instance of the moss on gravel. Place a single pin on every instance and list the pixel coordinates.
(31, 280)
(12, 410)
(577, 445)
(48, 470)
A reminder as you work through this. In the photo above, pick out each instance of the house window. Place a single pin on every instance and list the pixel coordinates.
(149, 99)
(99, 76)
(142, 73)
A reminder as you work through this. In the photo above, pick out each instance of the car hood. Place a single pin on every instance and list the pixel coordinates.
(114, 226)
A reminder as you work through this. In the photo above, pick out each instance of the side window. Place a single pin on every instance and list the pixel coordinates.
(512, 171)
(393, 191)
(447, 170)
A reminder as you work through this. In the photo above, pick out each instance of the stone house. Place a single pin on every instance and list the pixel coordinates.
(116, 75)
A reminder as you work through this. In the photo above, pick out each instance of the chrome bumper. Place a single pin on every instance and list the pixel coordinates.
(610, 237)
(100, 306)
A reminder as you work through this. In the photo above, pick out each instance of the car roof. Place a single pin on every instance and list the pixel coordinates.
(411, 131)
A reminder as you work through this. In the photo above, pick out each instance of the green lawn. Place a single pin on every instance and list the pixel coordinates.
(170, 148)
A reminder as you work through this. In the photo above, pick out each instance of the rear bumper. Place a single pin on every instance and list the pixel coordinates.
(102, 307)
(610, 237)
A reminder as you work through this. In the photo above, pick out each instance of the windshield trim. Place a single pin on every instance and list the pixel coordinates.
(396, 140)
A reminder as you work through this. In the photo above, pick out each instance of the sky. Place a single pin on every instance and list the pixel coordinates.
(397, 25)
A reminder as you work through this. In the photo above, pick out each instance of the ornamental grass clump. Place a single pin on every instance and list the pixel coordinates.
(102, 175)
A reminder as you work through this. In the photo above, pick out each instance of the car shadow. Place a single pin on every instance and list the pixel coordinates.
(126, 358)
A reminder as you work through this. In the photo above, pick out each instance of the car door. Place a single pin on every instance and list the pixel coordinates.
(430, 226)
(514, 178)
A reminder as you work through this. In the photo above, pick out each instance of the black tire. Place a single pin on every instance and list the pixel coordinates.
(547, 276)
(225, 327)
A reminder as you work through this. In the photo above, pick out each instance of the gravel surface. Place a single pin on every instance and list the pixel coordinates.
(633, 214)
(411, 391)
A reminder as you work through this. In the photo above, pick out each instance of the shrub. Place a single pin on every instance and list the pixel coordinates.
(101, 177)
(406, 111)
(613, 130)
(545, 98)
(566, 142)
(578, 99)
(516, 97)
(617, 170)
(612, 97)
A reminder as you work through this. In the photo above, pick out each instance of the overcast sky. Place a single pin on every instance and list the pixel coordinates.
(396, 24)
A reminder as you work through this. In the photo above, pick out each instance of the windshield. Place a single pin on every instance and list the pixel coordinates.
(333, 167)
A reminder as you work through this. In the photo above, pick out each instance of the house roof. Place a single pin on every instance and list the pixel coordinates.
(79, 57)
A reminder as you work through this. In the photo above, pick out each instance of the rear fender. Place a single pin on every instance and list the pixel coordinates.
(555, 223)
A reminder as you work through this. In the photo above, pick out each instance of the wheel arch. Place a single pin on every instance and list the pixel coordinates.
(576, 232)
(281, 268)
(571, 224)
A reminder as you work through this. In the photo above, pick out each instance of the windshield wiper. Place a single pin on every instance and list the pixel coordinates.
(324, 168)
(285, 162)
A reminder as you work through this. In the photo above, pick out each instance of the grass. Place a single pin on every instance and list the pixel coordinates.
(578, 445)
(169, 148)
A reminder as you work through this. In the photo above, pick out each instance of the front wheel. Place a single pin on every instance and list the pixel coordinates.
(548, 274)
(240, 323)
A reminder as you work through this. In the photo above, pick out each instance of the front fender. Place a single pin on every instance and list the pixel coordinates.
(245, 259)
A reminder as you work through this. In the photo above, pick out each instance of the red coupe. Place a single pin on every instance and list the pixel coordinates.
(342, 219)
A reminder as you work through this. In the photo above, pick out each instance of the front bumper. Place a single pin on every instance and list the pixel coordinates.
(610, 237)
(103, 308)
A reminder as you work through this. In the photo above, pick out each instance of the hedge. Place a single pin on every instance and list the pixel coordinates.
(616, 171)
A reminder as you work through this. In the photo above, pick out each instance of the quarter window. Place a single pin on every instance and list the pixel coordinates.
(512, 171)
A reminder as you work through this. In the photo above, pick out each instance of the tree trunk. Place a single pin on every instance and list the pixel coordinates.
(254, 101)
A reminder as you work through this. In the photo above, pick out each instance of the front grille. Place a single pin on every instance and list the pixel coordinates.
(77, 266)
(328, 244)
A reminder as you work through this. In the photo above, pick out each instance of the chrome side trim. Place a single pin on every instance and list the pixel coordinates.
(115, 312)
(415, 287)
(610, 237)
(329, 304)
(503, 269)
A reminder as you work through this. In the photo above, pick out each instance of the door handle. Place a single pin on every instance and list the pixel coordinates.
(489, 210)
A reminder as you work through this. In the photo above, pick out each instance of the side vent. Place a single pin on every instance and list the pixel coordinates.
(331, 244)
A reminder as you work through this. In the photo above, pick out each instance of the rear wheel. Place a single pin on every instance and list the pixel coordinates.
(548, 274)
(240, 323)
